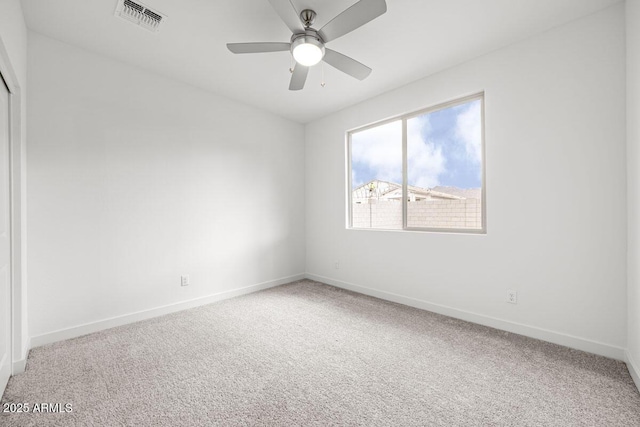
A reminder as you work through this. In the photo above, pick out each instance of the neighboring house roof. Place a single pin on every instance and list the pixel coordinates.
(466, 193)
(390, 190)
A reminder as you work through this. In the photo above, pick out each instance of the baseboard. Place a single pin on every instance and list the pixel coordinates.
(4, 378)
(633, 369)
(559, 338)
(19, 366)
(3, 385)
(88, 328)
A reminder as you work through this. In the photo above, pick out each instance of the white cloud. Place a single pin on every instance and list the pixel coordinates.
(379, 149)
(425, 160)
(469, 131)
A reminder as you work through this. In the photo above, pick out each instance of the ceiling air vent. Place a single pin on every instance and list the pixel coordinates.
(139, 14)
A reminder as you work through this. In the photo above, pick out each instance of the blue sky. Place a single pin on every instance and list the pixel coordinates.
(444, 148)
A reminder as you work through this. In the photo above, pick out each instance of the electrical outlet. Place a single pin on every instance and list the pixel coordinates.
(512, 296)
(337, 265)
(184, 280)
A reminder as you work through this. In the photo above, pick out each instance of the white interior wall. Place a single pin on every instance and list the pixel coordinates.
(13, 37)
(135, 179)
(556, 189)
(633, 164)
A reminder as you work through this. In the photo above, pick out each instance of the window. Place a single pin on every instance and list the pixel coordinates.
(422, 171)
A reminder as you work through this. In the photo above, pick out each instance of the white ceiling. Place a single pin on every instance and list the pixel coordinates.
(413, 39)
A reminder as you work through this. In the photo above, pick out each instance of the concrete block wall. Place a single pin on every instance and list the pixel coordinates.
(459, 214)
(382, 214)
(465, 213)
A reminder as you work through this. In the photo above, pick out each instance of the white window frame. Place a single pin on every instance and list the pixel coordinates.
(404, 118)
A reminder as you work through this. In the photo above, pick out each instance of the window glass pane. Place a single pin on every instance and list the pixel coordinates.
(376, 177)
(444, 168)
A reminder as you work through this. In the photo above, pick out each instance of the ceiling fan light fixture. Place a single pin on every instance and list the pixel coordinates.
(307, 50)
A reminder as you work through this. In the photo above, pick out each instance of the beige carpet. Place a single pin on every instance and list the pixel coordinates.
(310, 354)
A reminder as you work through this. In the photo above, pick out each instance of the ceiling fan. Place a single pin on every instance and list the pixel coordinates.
(308, 44)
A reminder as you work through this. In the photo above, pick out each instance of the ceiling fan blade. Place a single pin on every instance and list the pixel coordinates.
(298, 77)
(288, 13)
(259, 47)
(346, 65)
(352, 18)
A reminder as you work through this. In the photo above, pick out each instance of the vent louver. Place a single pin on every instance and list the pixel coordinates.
(140, 14)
